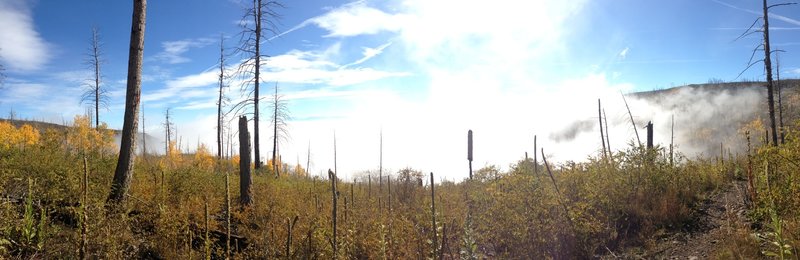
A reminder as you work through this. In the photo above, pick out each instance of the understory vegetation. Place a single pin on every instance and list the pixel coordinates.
(176, 208)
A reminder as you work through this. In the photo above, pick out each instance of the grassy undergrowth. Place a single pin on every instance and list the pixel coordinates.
(599, 205)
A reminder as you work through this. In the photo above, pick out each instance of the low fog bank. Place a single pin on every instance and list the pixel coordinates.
(707, 118)
(154, 145)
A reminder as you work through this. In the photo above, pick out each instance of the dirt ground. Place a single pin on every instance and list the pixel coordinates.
(717, 219)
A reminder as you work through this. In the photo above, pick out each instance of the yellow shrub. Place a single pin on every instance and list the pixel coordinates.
(11, 136)
(28, 135)
(83, 137)
(173, 157)
(299, 171)
(203, 158)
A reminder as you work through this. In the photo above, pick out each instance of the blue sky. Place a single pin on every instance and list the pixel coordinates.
(423, 71)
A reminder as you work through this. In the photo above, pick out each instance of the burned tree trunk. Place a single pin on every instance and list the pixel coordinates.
(332, 177)
(768, 68)
(469, 152)
(219, 101)
(602, 136)
(433, 217)
(535, 157)
(649, 135)
(245, 179)
(124, 171)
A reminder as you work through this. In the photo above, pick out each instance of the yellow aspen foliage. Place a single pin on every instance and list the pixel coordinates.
(174, 157)
(7, 134)
(299, 171)
(28, 135)
(203, 158)
(235, 160)
(83, 137)
(11, 136)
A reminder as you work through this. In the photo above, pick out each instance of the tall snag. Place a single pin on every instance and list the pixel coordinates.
(469, 152)
(768, 68)
(95, 95)
(245, 178)
(124, 171)
(255, 24)
(220, 99)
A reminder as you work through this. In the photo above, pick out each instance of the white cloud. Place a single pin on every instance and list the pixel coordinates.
(482, 63)
(624, 53)
(760, 13)
(357, 19)
(369, 53)
(317, 67)
(174, 50)
(21, 46)
(37, 99)
(182, 87)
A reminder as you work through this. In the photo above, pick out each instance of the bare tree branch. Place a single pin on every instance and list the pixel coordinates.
(781, 4)
(95, 94)
(748, 32)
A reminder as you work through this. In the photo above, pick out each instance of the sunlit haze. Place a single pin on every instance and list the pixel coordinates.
(422, 72)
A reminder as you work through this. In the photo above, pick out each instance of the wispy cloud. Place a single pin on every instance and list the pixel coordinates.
(352, 19)
(174, 50)
(662, 61)
(183, 87)
(316, 67)
(624, 53)
(771, 28)
(760, 13)
(368, 53)
(21, 46)
(37, 98)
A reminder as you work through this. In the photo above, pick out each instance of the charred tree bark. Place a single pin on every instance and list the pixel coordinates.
(144, 137)
(649, 135)
(535, 157)
(219, 101)
(380, 165)
(635, 131)
(334, 193)
(779, 88)
(768, 67)
(608, 140)
(95, 59)
(124, 171)
(433, 217)
(602, 136)
(275, 163)
(245, 178)
(257, 19)
(469, 152)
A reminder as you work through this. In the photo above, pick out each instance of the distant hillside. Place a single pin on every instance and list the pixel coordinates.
(41, 126)
(714, 114)
(789, 85)
(153, 143)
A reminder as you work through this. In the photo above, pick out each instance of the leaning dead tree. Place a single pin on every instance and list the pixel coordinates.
(256, 23)
(124, 170)
(765, 46)
(632, 122)
(602, 136)
(94, 94)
